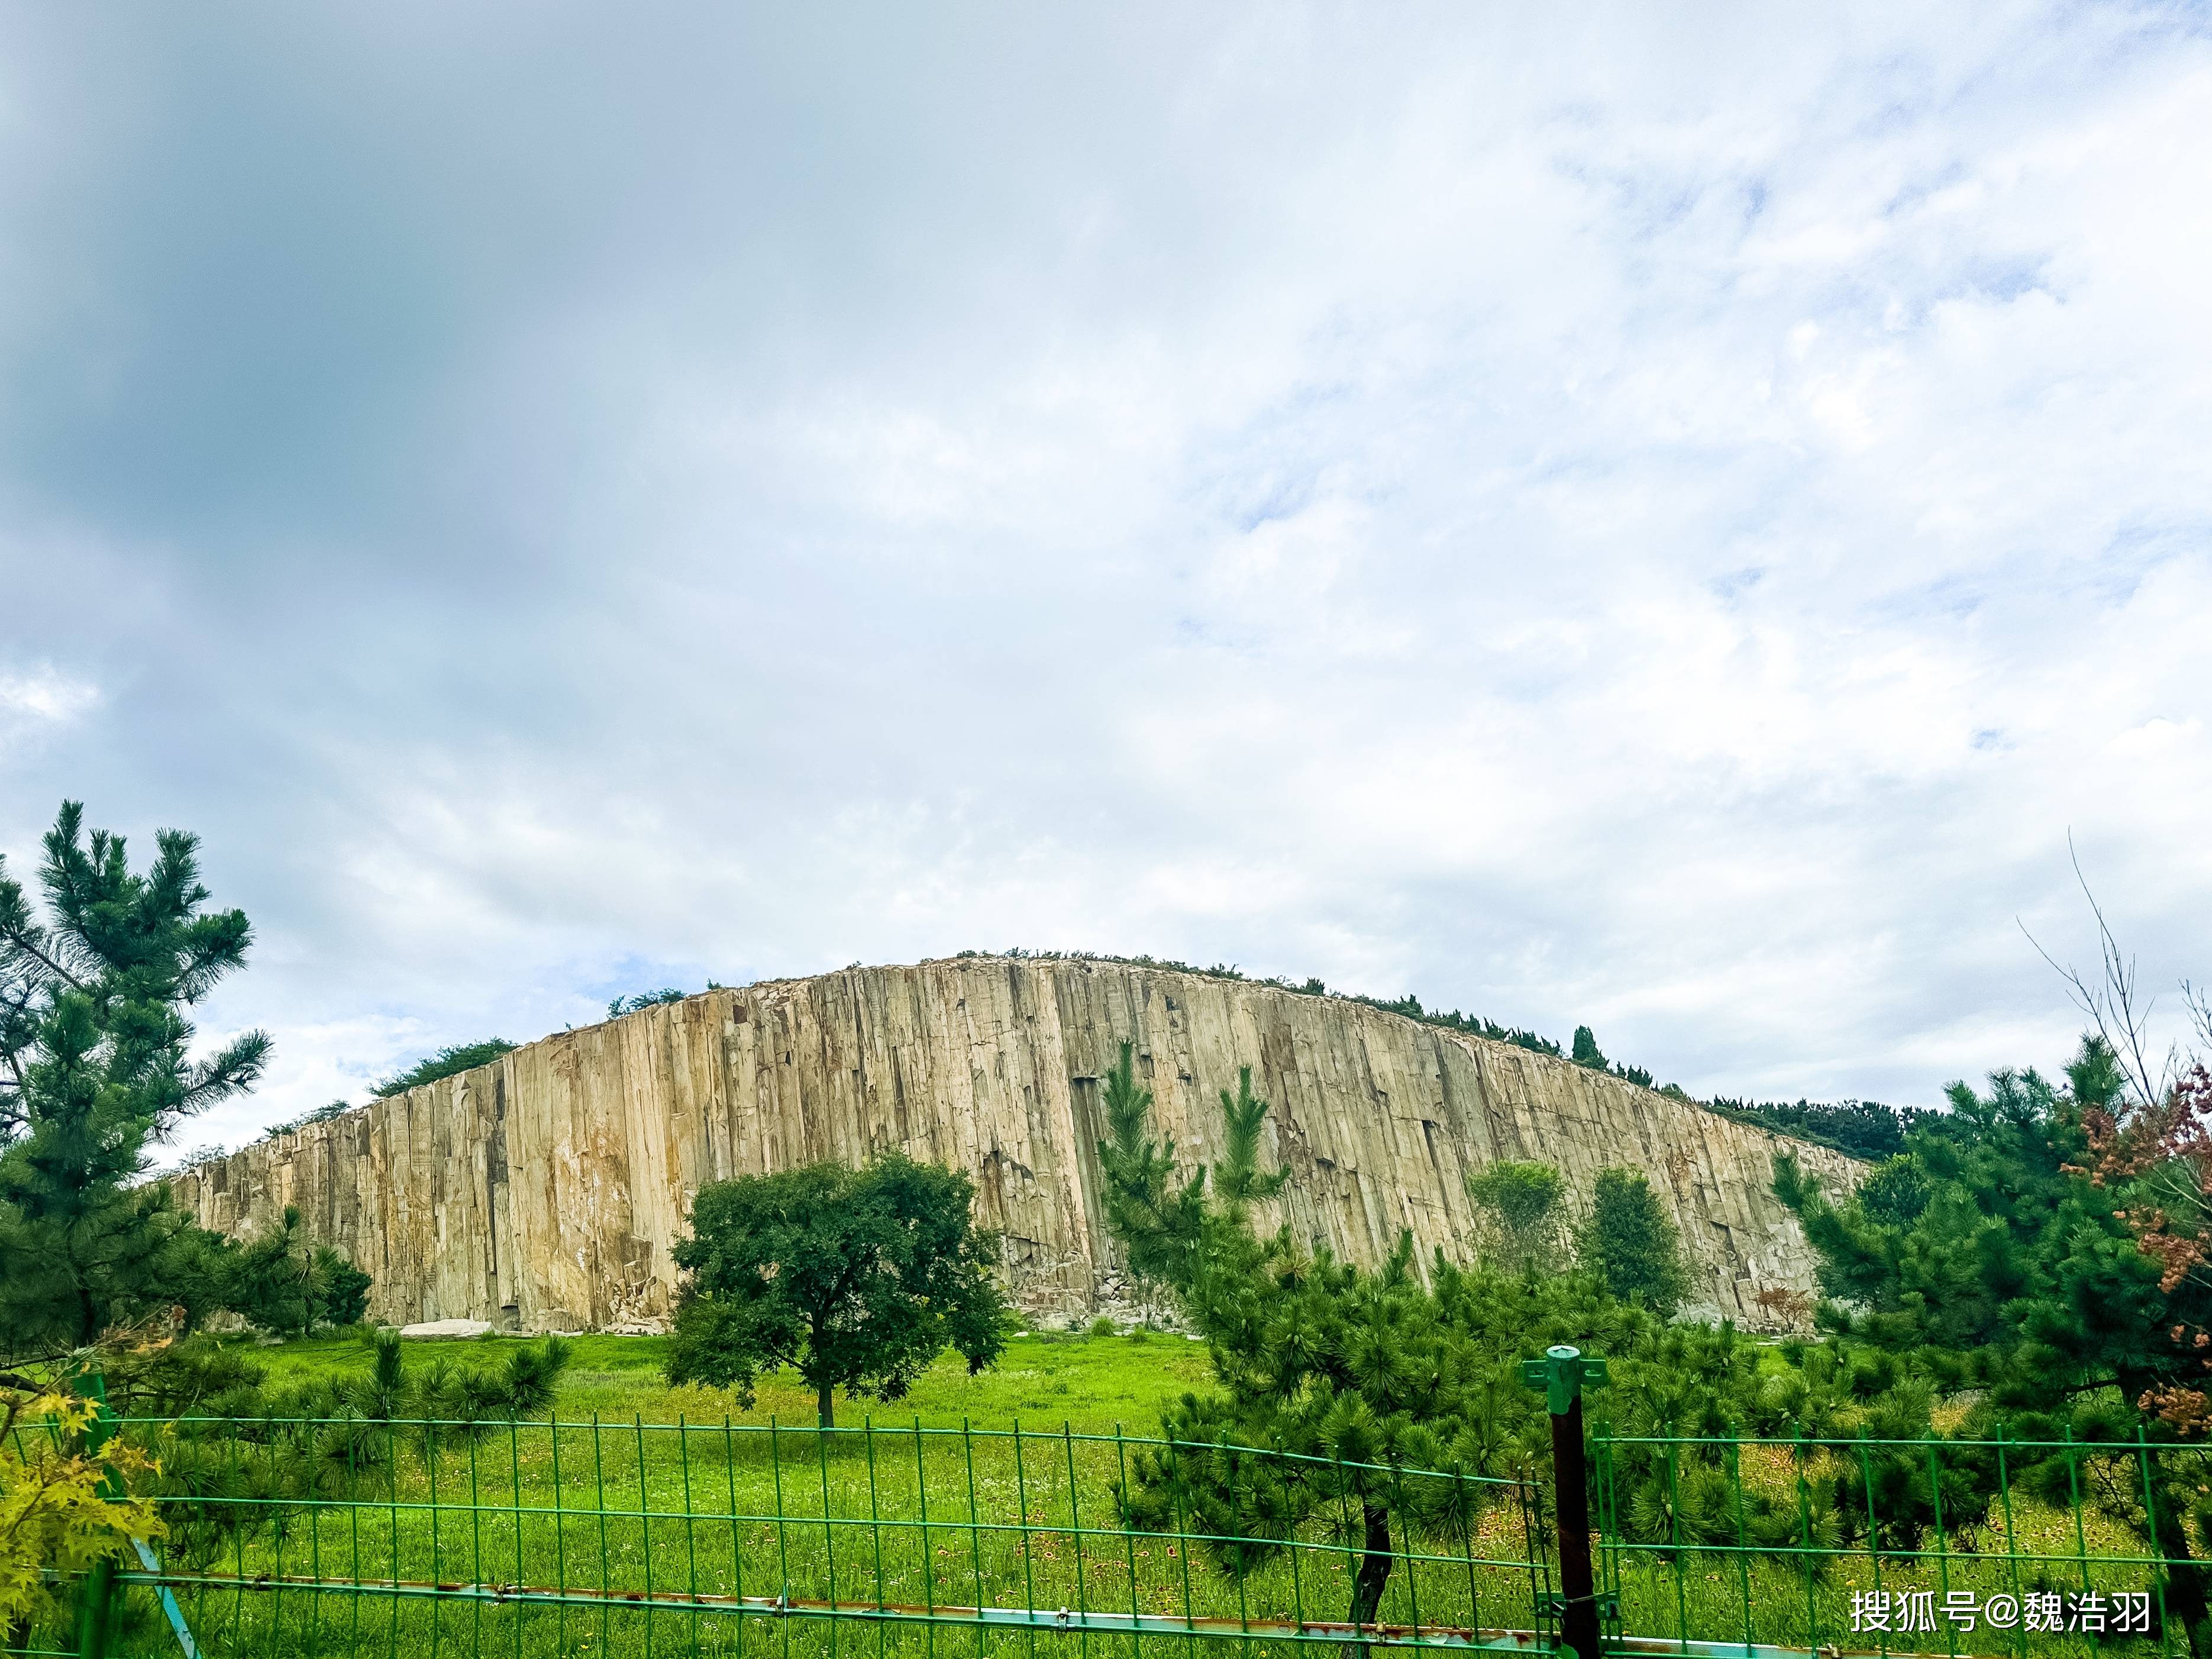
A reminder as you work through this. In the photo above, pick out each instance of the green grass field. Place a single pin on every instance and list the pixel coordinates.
(635, 1491)
(1091, 1382)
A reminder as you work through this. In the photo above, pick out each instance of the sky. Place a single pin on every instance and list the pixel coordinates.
(1666, 519)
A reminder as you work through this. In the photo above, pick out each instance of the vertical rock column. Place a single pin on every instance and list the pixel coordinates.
(546, 1190)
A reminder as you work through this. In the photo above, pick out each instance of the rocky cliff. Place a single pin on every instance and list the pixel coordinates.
(545, 1191)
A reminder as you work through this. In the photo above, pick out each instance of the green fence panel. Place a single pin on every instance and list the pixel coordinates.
(1730, 1545)
(345, 1537)
(409, 1538)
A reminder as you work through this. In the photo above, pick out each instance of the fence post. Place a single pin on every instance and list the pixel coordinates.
(96, 1599)
(1562, 1374)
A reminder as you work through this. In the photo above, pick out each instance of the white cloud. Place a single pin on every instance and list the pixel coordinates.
(45, 696)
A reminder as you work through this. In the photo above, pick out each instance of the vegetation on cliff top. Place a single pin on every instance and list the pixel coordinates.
(1864, 1128)
(449, 1061)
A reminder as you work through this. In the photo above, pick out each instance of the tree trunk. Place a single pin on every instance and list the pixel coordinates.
(2186, 1599)
(826, 1411)
(1375, 1563)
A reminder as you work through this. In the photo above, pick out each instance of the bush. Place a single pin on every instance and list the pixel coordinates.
(1523, 1203)
(644, 999)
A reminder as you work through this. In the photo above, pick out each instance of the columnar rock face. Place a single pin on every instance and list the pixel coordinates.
(545, 1191)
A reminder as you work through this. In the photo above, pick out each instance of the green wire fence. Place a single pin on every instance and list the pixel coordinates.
(358, 1537)
(352, 1537)
(1998, 1547)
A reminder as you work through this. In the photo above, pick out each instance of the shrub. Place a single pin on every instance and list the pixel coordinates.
(644, 999)
(449, 1061)
(56, 1517)
(1522, 1204)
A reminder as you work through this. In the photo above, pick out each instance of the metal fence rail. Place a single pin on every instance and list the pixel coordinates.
(1891, 1546)
(347, 1537)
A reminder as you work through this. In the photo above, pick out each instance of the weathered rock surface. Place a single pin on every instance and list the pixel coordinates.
(544, 1191)
(443, 1330)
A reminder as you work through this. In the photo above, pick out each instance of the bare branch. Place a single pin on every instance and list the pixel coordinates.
(2200, 1017)
(2115, 1006)
(2121, 982)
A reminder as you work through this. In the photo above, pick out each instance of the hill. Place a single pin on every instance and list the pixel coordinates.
(544, 1190)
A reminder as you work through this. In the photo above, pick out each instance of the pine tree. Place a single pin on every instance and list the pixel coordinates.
(1354, 1371)
(1999, 1254)
(1630, 1243)
(285, 1285)
(1155, 1214)
(1240, 1183)
(95, 1067)
(1381, 1388)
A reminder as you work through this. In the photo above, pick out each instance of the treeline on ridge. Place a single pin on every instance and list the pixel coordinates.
(1863, 1128)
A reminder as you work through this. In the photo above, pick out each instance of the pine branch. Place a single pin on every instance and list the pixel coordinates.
(231, 1070)
(28, 942)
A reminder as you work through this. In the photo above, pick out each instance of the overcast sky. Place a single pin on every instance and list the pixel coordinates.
(1663, 519)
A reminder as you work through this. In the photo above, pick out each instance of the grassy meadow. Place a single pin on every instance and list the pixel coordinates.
(1044, 1378)
(629, 1492)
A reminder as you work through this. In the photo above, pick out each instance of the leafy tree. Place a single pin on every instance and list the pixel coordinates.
(449, 1061)
(2156, 1160)
(1630, 1242)
(57, 1519)
(1522, 1204)
(93, 1066)
(855, 1278)
(1586, 1051)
